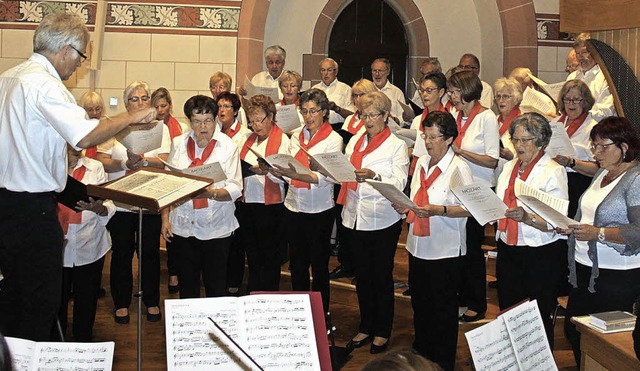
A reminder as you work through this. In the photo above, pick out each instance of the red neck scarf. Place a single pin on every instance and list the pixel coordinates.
(282, 102)
(575, 124)
(355, 123)
(91, 152)
(507, 225)
(174, 127)
(272, 193)
(302, 157)
(506, 122)
(231, 132)
(358, 155)
(422, 226)
(199, 203)
(477, 108)
(66, 215)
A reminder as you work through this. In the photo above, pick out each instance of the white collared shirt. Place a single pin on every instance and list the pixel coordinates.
(89, 240)
(486, 98)
(395, 94)
(217, 220)
(38, 117)
(581, 139)
(319, 197)
(265, 79)
(448, 235)
(546, 176)
(339, 93)
(482, 137)
(366, 209)
(254, 185)
(241, 136)
(594, 78)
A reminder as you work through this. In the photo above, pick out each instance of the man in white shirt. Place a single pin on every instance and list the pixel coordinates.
(38, 117)
(274, 58)
(590, 73)
(470, 62)
(339, 93)
(430, 65)
(380, 69)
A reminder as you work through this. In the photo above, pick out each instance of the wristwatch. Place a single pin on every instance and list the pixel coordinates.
(601, 236)
(145, 163)
(533, 220)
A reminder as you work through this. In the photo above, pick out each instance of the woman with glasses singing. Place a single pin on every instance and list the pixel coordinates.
(478, 143)
(372, 227)
(201, 228)
(117, 160)
(604, 264)
(530, 259)
(436, 241)
(574, 103)
(309, 201)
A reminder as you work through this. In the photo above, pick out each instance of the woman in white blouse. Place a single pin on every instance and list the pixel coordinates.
(436, 241)
(478, 144)
(530, 262)
(201, 228)
(117, 160)
(604, 248)
(372, 226)
(353, 124)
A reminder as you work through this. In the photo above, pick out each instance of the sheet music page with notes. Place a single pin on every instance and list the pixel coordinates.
(29, 355)
(275, 330)
(552, 209)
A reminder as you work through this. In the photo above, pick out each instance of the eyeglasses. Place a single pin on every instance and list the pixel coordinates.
(468, 67)
(427, 90)
(82, 56)
(371, 116)
(379, 71)
(143, 98)
(323, 70)
(515, 141)
(259, 122)
(225, 106)
(572, 100)
(431, 138)
(357, 95)
(599, 147)
(311, 112)
(207, 122)
(454, 92)
(503, 97)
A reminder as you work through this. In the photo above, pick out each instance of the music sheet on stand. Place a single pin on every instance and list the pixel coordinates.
(29, 355)
(275, 330)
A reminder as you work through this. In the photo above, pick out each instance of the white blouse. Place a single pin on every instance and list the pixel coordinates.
(482, 137)
(254, 185)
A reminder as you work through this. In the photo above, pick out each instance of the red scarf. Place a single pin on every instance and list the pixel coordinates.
(322, 133)
(422, 226)
(448, 106)
(507, 225)
(515, 112)
(358, 155)
(66, 215)
(199, 203)
(575, 124)
(414, 160)
(353, 129)
(283, 103)
(272, 193)
(231, 132)
(174, 127)
(91, 152)
(477, 108)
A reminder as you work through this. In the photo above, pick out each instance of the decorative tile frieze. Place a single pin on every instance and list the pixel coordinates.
(548, 30)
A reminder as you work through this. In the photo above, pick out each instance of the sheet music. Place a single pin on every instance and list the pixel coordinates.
(420, 147)
(283, 160)
(407, 111)
(529, 338)
(287, 118)
(211, 171)
(483, 203)
(44, 356)
(554, 90)
(535, 101)
(141, 138)
(491, 348)
(275, 330)
(551, 208)
(393, 194)
(336, 166)
(560, 144)
(253, 90)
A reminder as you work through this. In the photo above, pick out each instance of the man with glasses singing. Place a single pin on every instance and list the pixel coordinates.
(590, 73)
(339, 93)
(470, 62)
(38, 117)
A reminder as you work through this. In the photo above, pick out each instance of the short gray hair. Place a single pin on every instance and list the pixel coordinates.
(536, 125)
(59, 30)
(276, 50)
(335, 64)
(133, 86)
(433, 61)
(509, 84)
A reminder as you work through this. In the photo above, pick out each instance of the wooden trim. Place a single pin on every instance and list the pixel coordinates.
(597, 15)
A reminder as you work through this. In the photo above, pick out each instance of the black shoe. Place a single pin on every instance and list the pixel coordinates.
(406, 292)
(353, 344)
(154, 317)
(493, 284)
(174, 289)
(477, 317)
(122, 320)
(375, 349)
(102, 292)
(340, 272)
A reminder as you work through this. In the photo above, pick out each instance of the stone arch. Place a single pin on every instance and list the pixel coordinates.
(250, 44)
(518, 18)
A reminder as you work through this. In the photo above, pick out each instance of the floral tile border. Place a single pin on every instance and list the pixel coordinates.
(189, 17)
(548, 29)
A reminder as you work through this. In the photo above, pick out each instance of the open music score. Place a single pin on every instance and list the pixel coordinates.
(275, 330)
(516, 340)
(29, 355)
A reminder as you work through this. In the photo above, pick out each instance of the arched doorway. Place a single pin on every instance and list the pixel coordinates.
(366, 30)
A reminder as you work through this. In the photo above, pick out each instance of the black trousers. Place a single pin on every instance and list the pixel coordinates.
(236, 260)
(31, 262)
(308, 236)
(123, 227)
(374, 252)
(615, 290)
(202, 258)
(84, 282)
(172, 268)
(531, 272)
(473, 280)
(262, 239)
(434, 298)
